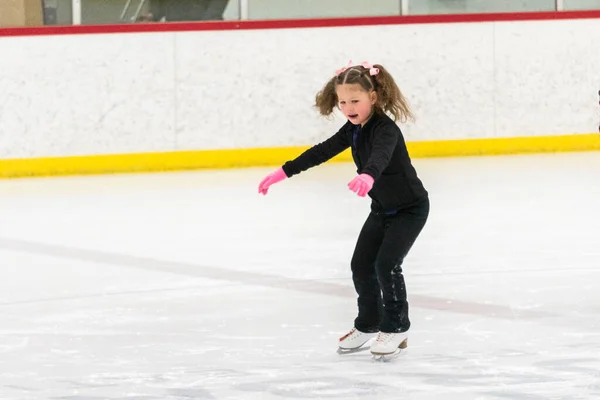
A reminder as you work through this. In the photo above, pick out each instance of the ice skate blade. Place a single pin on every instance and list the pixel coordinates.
(386, 356)
(352, 351)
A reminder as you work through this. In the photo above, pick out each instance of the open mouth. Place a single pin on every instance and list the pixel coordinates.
(352, 116)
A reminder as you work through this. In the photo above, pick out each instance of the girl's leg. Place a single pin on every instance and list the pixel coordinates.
(364, 275)
(401, 231)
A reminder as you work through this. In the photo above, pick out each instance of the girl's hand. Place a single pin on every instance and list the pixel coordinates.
(361, 185)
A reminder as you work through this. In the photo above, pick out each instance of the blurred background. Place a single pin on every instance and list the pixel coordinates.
(15, 13)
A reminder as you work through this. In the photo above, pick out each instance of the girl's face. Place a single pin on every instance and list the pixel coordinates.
(355, 102)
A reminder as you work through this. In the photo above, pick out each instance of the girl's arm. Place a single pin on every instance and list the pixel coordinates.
(384, 144)
(318, 154)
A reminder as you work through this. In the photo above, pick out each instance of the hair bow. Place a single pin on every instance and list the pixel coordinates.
(339, 71)
(372, 70)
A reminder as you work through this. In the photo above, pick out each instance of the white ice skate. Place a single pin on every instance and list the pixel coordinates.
(388, 345)
(354, 341)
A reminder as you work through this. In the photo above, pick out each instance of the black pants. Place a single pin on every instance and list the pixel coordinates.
(382, 245)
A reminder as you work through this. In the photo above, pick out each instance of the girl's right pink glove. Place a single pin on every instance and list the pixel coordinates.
(272, 178)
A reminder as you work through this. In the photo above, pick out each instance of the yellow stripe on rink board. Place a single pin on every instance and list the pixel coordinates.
(504, 146)
(145, 162)
(240, 158)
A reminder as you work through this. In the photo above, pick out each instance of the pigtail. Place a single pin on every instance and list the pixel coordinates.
(389, 96)
(326, 99)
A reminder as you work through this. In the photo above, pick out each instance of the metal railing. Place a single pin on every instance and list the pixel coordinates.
(136, 13)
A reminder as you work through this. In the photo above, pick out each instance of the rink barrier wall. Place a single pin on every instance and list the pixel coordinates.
(493, 88)
(243, 158)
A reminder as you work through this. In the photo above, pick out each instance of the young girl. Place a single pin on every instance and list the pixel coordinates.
(399, 202)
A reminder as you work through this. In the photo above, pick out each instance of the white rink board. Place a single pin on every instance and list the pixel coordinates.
(86, 94)
(140, 92)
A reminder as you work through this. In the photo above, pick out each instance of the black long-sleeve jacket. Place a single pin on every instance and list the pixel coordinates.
(379, 150)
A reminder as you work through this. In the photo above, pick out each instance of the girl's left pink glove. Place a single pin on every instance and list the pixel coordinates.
(272, 178)
(362, 184)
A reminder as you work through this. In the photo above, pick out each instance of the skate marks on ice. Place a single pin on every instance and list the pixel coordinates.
(501, 374)
(504, 375)
(133, 386)
(318, 387)
(256, 279)
(435, 374)
(78, 397)
(176, 384)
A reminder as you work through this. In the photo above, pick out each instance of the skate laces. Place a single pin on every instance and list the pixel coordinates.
(384, 337)
(349, 334)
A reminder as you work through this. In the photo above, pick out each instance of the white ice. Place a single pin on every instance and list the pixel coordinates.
(192, 286)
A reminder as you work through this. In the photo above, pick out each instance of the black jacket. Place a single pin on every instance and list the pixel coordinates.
(378, 149)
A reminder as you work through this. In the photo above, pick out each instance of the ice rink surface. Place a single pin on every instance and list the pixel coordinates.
(192, 286)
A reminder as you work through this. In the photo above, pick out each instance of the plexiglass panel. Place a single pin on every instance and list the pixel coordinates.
(478, 6)
(290, 9)
(145, 11)
(582, 4)
(60, 12)
(56, 12)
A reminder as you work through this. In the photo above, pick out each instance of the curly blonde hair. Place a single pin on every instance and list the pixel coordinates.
(389, 96)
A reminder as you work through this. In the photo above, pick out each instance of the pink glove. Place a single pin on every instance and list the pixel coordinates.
(272, 178)
(362, 184)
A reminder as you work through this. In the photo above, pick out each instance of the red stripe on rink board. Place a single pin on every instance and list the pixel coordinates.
(297, 23)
